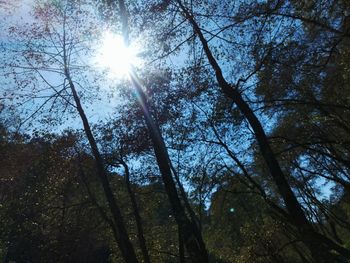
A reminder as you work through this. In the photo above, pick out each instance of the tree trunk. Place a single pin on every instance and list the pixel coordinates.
(191, 234)
(135, 209)
(123, 241)
(319, 245)
(122, 237)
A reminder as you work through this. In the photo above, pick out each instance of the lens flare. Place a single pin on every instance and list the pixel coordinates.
(116, 57)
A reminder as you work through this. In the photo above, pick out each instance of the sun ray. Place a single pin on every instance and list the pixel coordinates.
(116, 57)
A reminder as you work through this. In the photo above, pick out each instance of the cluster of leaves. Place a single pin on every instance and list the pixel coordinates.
(290, 61)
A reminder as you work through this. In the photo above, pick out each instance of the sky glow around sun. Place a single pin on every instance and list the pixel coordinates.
(116, 57)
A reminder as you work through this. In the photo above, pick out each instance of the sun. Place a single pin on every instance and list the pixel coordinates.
(117, 57)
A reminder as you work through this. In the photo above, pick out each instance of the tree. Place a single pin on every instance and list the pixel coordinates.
(60, 53)
(230, 144)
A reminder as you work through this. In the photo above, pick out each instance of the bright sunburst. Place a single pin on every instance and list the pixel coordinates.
(115, 56)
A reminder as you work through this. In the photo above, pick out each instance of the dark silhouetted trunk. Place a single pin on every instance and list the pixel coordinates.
(135, 209)
(191, 234)
(123, 241)
(122, 237)
(318, 244)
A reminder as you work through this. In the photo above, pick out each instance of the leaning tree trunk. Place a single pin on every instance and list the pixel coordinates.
(191, 234)
(122, 237)
(316, 242)
(123, 241)
(135, 209)
(190, 231)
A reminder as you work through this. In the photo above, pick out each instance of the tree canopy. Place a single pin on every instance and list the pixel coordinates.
(175, 131)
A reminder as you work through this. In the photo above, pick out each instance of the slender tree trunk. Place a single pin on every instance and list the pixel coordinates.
(122, 237)
(140, 232)
(316, 242)
(123, 241)
(100, 209)
(191, 234)
(193, 217)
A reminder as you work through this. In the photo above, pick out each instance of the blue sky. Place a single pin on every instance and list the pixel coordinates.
(97, 109)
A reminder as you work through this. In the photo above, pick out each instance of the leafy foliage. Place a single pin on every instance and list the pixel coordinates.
(288, 65)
